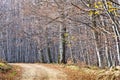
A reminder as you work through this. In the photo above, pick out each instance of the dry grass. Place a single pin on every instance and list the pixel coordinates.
(92, 73)
(84, 72)
(78, 74)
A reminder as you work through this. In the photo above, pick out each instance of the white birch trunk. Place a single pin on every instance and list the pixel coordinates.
(60, 44)
(97, 52)
(70, 47)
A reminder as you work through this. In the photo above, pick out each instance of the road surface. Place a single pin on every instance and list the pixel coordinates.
(40, 72)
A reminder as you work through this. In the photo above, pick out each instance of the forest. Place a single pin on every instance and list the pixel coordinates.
(59, 31)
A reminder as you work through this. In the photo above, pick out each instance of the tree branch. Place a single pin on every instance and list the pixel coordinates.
(114, 2)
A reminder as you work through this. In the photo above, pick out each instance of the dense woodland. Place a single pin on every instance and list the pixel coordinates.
(56, 31)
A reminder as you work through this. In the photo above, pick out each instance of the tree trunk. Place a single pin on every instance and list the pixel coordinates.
(64, 44)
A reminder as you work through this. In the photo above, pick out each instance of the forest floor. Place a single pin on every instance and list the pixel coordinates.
(66, 72)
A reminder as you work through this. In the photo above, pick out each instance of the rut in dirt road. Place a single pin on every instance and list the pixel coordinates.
(40, 72)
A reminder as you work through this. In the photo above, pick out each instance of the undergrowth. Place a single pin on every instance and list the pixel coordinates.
(8, 72)
(84, 72)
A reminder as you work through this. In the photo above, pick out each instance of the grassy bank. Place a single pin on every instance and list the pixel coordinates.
(8, 72)
(92, 73)
(75, 72)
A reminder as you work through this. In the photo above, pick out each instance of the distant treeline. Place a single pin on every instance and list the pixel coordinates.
(55, 31)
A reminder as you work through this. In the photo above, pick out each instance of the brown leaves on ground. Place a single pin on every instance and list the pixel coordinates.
(73, 73)
(87, 73)
(78, 74)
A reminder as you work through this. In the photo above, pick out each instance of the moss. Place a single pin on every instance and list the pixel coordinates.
(2, 64)
(5, 67)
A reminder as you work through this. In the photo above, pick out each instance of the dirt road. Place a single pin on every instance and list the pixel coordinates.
(40, 72)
